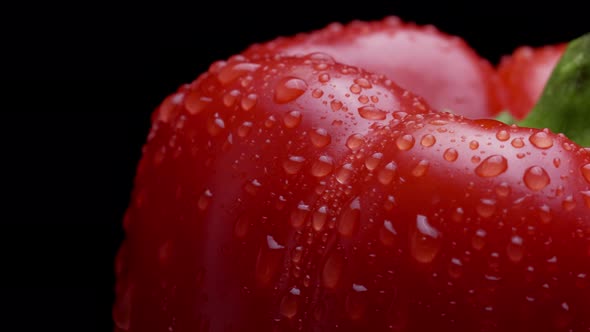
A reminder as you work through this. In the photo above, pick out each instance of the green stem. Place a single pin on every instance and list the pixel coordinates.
(564, 106)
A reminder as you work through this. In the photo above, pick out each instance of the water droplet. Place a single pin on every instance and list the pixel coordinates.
(486, 207)
(355, 88)
(241, 227)
(405, 142)
(195, 104)
(363, 83)
(335, 105)
(249, 102)
(317, 93)
(372, 113)
(319, 218)
(355, 141)
(517, 143)
(455, 268)
(536, 178)
(515, 249)
(229, 98)
(586, 172)
(292, 119)
(586, 197)
(252, 187)
(425, 240)
(356, 302)
(289, 303)
(541, 139)
(475, 159)
(387, 234)
(502, 190)
(503, 135)
(322, 167)
(492, 166)
(215, 125)
(478, 240)
(450, 154)
(344, 174)
(458, 214)
(299, 214)
(421, 168)
(428, 140)
(324, 77)
(270, 257)
(230, 73)
(244, 129)
(373, 160)
(204, 200)
(568, 203)
(363, 99)
(332, 271)
(320, 137)
(545, 213)
(350, 218)
(289, 89)
(556, 162)
(473, 145)
(293, 164)
(386, 175)
(270, 121)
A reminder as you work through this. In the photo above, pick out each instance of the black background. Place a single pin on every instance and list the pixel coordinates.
(79, 82)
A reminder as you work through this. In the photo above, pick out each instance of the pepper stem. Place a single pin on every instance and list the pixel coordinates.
(564, 106)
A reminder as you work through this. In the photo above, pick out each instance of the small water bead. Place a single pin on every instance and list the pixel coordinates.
(252, 187)
(425, 240)
(503, 135)
(356, 302)
(387, 234)
(372, 113)
(386, 175)
(428, 140)
(492, 166)
(473, 145)
(515, 249)
(568, 203)
(458, 214)
(375, 99)
(421, 168)
(586, 196)
(545, 213)
(319, 137)
(450, 154)
(269, 258)
(293, 164)
(335, 105)
(455, 268)
(475, 159)
(241, 227)
(363, 83)
(229, 98)
(322, 166)
(270, 121)
(363, 99)
(355, 88)
(478, 240)
(289, 89)
(244, 129)
(317, 93)
(324, 77)
(194, 103)
(486, 207)
(249, 102)
(405, 142)
(556, 162)
(204, 200)
(536, 178)
(517, 143)
(350, 218)
(344, 173)
(319, 218)
(299, 214)
(292, 119)
(289, 303)
(230, 73)
(502, 190)
(586, 172)
(355, 141)
(373, 160)
(332, 270)
(541, 140)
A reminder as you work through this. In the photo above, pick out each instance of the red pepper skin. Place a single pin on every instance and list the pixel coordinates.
(440, 67)
(524, 74)
(299, 194)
